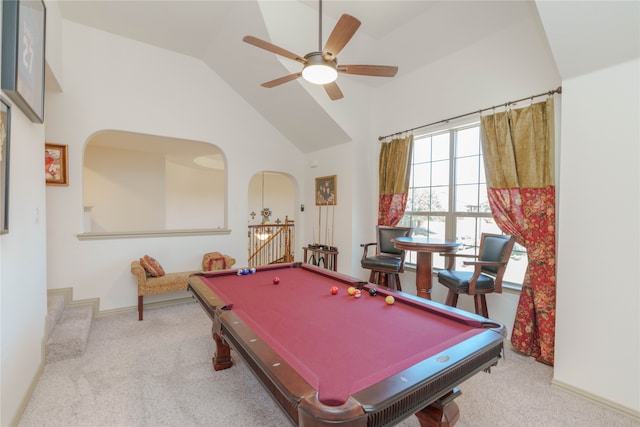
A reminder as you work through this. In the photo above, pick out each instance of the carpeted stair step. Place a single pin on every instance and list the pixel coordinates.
(69, 336)
(55, 307)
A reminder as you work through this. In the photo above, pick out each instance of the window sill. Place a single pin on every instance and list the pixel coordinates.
(156, 233)
(511, 288)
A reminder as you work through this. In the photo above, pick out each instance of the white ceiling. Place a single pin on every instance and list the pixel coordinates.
(408, 34)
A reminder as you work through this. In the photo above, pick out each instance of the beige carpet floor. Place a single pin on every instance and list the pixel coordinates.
(158, 373)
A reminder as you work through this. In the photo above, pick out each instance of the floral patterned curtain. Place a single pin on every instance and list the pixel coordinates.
(394, 173)
(518, 148)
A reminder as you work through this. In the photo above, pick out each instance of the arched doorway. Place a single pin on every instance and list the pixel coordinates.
(271, 218)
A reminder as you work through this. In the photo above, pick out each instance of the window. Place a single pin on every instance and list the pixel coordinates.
(448, 195)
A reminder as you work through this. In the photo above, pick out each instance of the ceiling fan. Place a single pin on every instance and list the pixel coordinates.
(321, 67)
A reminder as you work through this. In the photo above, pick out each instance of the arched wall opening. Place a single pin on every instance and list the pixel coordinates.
(274, 191)
(147, 183)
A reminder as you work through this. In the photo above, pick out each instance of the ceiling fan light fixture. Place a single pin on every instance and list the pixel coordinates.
(318, 71)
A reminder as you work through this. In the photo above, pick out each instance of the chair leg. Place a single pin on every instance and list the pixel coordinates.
(396, 278)
(140, 307)
(384, 279)
(481, 305)
(391, 280)
(373, 277)
(452, 299)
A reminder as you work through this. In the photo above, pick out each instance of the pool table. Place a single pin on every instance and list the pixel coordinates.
(340, 360)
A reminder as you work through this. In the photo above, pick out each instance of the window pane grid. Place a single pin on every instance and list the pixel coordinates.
(448, 196)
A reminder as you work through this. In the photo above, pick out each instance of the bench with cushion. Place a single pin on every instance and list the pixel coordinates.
(152, 278)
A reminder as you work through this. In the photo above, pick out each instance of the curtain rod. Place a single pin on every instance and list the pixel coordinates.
(506, 104)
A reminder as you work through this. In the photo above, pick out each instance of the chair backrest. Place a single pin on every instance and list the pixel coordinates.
(385, 234)
(495, 248)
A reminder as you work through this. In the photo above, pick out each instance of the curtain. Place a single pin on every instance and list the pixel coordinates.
(394, 172)
(518, 148)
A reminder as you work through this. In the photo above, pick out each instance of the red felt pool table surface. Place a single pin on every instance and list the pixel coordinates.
(341, 345)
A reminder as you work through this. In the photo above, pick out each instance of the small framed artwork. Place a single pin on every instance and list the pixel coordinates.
(327, 190)
(23, 38)
(55, 164)
(5, 133)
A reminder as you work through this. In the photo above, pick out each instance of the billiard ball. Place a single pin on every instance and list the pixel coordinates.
(276, 280)
(334, 290)
(373, 292)
(389, 300)
(252, 271)
(351, 290)
(357, 293)
(245, 271)
(239, 273)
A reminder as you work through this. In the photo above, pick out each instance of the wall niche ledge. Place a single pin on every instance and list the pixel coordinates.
(156, 233)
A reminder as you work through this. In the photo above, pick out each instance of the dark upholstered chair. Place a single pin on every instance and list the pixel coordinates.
(486, 277)
(388, 262)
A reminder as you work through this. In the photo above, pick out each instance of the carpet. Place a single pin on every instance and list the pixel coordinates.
(158, 373)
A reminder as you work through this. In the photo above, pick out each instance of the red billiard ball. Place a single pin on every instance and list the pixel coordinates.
(357, 293)
(276, 280)
(334, 290)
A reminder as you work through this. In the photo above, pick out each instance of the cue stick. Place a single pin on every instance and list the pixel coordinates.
(319, 221)
(333, 222)
(326, 224)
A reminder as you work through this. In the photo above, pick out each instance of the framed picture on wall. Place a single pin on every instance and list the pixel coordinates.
(327, 190)
(55, 164)
(5, 133)
(23, 41)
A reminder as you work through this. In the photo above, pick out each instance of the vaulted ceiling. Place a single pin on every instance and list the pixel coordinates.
(408, 34)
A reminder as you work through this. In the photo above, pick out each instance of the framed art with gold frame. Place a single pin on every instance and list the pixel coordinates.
(56, 164)
(326, 190)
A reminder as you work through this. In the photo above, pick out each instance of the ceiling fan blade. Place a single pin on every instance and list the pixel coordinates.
(281, 80)
(343, 31)
(333, 91)
(369, 70)
(273, 48)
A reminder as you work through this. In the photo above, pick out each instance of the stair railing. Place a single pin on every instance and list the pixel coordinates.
(271, 243)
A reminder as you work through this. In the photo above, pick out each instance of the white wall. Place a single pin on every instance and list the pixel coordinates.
(338, 225)
(116, 84)
(194, 197)
(23, 262)
(511, 64)
(598, 293)
(126, 193)
(23, 267)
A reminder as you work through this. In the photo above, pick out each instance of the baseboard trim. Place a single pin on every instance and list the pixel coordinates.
(32, 387)
(624, 410)
(70, 302)
(157, 304)
(95, 302)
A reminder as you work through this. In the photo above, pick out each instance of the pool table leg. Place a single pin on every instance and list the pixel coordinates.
(222, 358)
(444, 412)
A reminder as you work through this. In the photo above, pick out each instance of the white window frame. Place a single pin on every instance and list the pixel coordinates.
(451, 216)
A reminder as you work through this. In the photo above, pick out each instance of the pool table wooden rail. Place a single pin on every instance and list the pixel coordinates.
(423, 389)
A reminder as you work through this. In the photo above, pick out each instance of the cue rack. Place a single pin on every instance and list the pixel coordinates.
(323, 253)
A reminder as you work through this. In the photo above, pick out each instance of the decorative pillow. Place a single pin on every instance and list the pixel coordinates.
(214, 261)
(151, 266)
